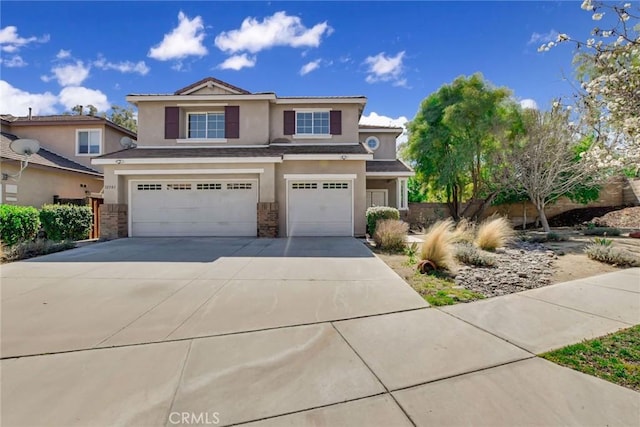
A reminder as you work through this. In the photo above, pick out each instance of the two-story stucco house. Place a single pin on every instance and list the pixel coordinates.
(63, 166)
(216, 160)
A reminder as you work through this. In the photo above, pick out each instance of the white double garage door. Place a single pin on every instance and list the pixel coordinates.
(229, 208)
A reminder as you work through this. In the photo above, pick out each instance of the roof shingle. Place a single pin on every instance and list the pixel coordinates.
(43, 157)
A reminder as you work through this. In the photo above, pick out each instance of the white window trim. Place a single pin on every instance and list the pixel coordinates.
(101, 148)
(312, 135)
(384, 190)
(200, 140)
(402, 190)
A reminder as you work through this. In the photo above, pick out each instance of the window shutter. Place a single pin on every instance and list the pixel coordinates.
(335, 122)
(289, 122)
(232, 121)
(171, 122)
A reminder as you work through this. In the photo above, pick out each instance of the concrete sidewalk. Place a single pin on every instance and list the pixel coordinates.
(470, 364)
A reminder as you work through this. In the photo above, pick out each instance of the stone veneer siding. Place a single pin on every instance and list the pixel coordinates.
(113, 221)
(268, 219)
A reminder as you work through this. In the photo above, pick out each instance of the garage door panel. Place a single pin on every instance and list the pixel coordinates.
(320, 208)
(212, 208)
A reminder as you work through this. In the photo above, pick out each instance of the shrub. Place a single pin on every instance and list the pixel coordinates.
(391, 234)
(39, 247)
(437, 246)
(66, 222)
(377, 213)
(602, 231)
(464, 231)
(610, 255)
(411, 251)
(468, 254)
(494, 233)
(555, 237)
(18, 224)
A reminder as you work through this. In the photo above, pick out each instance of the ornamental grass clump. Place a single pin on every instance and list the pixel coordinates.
(391, 235)
(494, 233)
(437, 248)
(464, 232)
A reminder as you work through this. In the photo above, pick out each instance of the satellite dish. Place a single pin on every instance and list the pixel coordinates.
(25, 147)
(127, 142)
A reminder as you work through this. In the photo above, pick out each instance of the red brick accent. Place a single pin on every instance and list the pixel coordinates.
(267, 219)
(113, 221)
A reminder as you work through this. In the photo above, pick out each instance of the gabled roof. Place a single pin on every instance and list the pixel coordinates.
(43, 157)
(210, 80)
(388, 167)
(225, 152)
(64, 119)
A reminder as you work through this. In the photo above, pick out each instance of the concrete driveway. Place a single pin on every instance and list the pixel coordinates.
(280, 332)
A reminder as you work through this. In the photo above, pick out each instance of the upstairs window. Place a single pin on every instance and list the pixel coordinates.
(88, 142)
(205, 125)
(312, 123)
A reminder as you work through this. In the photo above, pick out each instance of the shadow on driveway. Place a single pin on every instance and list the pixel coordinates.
(209, 249)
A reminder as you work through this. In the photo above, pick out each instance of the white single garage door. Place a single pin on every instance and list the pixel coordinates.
(320, 208)
(194, 208)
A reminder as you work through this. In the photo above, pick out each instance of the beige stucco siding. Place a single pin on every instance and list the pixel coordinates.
(254, 121)
(61, 139)
(117, 186)
(38, 185)
(323, 167)
(350, 116)
(387, 148)
(390, 184)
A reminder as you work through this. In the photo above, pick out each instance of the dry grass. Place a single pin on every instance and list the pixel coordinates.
(494, 233)
(464, 232)
(391, 234)
(437, 246)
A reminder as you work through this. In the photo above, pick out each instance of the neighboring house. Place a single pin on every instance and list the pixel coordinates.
(62, 168)
(216, 160)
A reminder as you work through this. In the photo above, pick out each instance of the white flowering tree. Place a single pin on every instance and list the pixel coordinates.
(608, 69)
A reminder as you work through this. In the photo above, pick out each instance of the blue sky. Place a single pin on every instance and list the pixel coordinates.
(59, 54)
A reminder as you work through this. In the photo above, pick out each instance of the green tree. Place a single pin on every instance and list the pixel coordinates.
(77, 110)
(416, 191)
(457, 139)
(124, 117)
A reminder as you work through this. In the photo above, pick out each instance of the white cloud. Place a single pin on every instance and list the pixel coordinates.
(378, 120)
(10, 41)
(183, 41)
(124, 66)
(309, 67)
(529, 103)
(69, 74)
(537, 38)
(77, 95)
(15, 61)
(62, 54)
(279, 29)
(17, 102)
(238, 62)
(383, 68)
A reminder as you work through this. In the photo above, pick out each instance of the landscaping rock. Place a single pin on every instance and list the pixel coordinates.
(521, 266)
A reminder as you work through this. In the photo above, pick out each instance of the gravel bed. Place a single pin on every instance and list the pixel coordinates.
(519, 267)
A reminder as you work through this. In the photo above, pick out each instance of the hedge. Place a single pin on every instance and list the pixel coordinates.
(66, 222)
(376, 213)
(18, 224)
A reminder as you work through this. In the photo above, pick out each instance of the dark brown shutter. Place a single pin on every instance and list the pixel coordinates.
(232, 121)
(335, 122)
(171, 122)
(289, 122)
